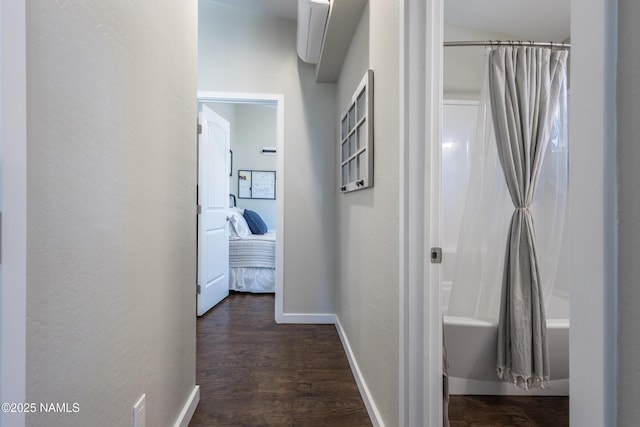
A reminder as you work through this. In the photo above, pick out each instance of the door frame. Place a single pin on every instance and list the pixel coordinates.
(592, 177)
(13, 309)
(420, 380)
(276, 100)
(593, 316)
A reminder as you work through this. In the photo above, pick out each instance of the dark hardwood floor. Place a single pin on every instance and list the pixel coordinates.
(253, 372)
(509, 411)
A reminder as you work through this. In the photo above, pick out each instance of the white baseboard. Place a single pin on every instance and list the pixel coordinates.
(332, 319)
(189, 408)
(304, 318)
(497, 388)
(372, 409)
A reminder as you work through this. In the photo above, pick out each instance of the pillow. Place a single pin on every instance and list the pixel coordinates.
(238, 226)
(256, 224)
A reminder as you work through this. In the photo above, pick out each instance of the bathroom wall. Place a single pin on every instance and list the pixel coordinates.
(464, 66)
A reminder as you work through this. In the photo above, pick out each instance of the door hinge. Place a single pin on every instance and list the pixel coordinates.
(198, 289)
(199, 209)
(436, 256)
(199, 129)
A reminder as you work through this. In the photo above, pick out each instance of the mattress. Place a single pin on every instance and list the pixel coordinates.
(253, 251)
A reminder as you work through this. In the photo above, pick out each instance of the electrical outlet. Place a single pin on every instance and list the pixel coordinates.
(139, 412)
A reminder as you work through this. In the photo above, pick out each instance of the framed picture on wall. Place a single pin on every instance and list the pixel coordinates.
(254, 184)
(356, 139)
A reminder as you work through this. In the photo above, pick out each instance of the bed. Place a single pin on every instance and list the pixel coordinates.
(252, 257)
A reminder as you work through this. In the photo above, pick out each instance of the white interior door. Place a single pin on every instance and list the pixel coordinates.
(213, 201)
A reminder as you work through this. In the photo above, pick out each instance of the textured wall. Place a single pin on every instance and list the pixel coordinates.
(242, 51)
(111, 217)
(368, 244)
(629, 211)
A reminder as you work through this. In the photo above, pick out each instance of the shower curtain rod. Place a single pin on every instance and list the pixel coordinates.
(507, 43)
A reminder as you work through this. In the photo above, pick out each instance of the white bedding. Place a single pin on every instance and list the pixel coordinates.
(252, 263)
(256, 280)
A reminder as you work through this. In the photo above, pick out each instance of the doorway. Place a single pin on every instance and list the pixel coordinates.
(274, 217)
(593, 249)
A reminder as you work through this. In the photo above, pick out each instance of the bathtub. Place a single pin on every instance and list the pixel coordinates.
(471, 354)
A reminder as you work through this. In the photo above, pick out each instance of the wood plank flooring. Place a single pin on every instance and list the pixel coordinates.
(509, 411)
(253, 372)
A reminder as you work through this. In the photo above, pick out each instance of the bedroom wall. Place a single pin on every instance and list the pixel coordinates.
(111, 209)
(629, 211)
(252, 127)
(227, 111)
(256, 129)
(244, 51)
(368, 244)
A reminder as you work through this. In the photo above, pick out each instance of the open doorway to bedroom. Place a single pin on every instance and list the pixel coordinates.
(256, 190)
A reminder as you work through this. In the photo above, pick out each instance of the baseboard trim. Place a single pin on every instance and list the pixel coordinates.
(189, 408)
(372, 409)
(305, 318)
(332, 319)
(496, 388)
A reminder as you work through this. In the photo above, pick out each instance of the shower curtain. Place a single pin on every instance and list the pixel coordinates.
(481, 264)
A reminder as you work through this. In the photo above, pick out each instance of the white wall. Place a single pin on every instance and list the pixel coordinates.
(227, 111)
(253, 126)
(368, 244)
(242, 51)
(111, 218)
(464, 66)
(628, 213)
(257, 129)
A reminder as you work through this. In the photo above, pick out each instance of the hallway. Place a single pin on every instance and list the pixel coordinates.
(253, 372)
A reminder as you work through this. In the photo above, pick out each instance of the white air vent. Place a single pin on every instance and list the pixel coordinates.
(312, 19)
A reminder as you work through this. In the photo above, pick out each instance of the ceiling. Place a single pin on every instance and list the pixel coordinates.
(283, 8)
(539, 20)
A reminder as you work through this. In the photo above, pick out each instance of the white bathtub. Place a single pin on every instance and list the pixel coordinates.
(471, 352)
